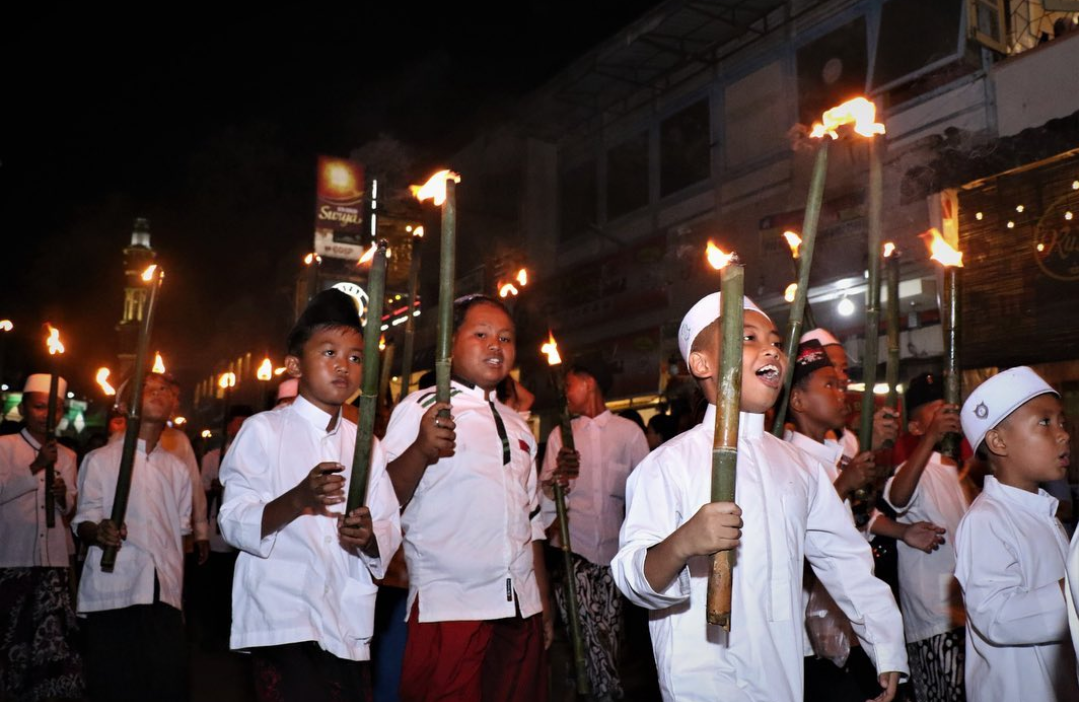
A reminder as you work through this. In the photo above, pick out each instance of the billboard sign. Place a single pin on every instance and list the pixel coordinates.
(339, 208)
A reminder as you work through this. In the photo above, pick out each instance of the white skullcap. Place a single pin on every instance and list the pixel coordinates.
(822, 335)
(996, 398)
(700, 316)
(288, 388)
(39, 382)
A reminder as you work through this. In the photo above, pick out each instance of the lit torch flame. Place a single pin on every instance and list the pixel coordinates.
(889, 249)
(53, 341)
(159, 363)
(940, 250)
(717, 258)
(179, 421)
(382, 343)
(227, 380)
(435, 188)
(148, 274)
(418, 232)
(859, 112)
(507, 289)
(312, 258)
(280, 370)
(369, 254)
(265, 371)
(6, 325)
(790, 292)
(794, 241)
(522, 277)
(103, 380)
(551, 349)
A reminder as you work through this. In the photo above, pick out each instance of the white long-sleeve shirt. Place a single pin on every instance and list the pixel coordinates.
(790, 511)
(610, 447)
(299, 583)
(1011, 551)
(27, 541)
(928, 591)
(211, 470)
(158, 515)
(176, 442)
(470, 525)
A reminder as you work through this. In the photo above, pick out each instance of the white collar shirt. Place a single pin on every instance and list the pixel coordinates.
(27, 541)
(211, 465)
(1071, 590)
(470, 525)
(928, 591)
(1011, 552)
(176, 442)
(158, 515)
(299, 583)
(610, 448)
(790, 512)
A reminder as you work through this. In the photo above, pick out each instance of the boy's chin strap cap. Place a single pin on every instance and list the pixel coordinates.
(995, 399)
(700, 316)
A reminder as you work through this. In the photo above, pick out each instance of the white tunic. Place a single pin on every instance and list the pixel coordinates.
(211, 471)
(1071, 591)
(470, 525)
(1011, 555)
(610, 447)
(299, 583)
(26, 540)
(790, 512)
(928, 591)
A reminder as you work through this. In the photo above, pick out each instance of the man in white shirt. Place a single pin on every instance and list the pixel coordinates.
(135, 642)
(38, 655)
(608, 448)
(787, 511)
(1011, 548)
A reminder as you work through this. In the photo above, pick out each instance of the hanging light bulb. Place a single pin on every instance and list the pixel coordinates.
(845, 307)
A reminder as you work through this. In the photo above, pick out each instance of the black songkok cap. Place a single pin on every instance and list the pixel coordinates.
(923, 389)
(330, 308)
(811, 356)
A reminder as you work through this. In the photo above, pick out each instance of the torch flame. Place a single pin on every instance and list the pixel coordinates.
(312, 258)
(507, 289)
(369, 254)
(265, 371)
(227, 380)
(418, 232)
(179, 421)
(941, 251)
(53, 341)
(148, 274)
(859, 112)
(889, 249)
(382, 342)
(717, 257)
(159, 363)
(6, 325)
(794, 241)
(103, 380)
(279, 370)
(790, 292)
(435, 188)
(551, 349)
(522, 277)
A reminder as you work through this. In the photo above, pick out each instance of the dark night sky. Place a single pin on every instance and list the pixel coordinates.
(208, 123)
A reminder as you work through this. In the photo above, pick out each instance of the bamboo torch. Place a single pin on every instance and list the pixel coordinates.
(872, 292)
(795, 243)
(442, 189)
(891, 281)
(152, 275)
(554, 360)
(387, 348)
(410, 320)
(56, 348)
(728, 407)
(372, 331)
(951, 261)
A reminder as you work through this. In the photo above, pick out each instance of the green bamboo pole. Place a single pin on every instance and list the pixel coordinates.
(134, 419)
(805, 262)
(372, 330)
(891, 373)
(410, 321)
(446, 274)
(950, 321)
(725, 442)
(872, 294)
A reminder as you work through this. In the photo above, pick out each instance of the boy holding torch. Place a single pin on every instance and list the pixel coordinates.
(36, 611)
(478, 600)
(303, 597)
(786, 511)
(135, 647)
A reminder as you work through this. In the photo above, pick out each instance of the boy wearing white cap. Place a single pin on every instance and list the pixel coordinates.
(1011, 548)
(787, 511)
(38, 656)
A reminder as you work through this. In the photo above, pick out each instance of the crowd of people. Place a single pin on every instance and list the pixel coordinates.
(884, 572)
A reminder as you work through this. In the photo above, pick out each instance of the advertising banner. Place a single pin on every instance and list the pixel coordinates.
(339, 208)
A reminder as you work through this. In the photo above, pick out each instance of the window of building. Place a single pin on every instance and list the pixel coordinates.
(627, 176)
(938, 26)
(685, 141)
(578, 197)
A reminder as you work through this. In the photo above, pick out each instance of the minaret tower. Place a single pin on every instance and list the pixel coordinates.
(138, 256)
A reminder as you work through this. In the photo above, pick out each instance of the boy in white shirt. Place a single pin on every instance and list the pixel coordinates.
(479, 610)
(135, 643)
(927, 488)
(1011, 548)
(303, 597)
(790, 511)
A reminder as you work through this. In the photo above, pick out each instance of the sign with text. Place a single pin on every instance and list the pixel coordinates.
(339, 208)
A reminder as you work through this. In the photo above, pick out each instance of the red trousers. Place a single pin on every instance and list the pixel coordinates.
(502, 660)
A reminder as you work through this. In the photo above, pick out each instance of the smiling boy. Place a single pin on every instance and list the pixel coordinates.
(478, 602)
(1011, 548)
(786, 511)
